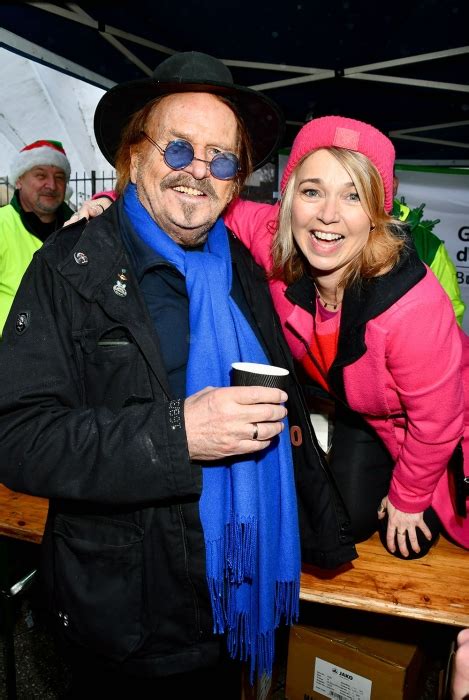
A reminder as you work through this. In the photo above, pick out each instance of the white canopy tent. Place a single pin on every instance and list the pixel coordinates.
(39, 102)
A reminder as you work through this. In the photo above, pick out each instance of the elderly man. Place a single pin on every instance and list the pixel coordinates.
(173, 522)
(40, 173)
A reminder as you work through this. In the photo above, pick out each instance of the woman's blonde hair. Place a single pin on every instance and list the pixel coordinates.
(385, 242)
(132, 136)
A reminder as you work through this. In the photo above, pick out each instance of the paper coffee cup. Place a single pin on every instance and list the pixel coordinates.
(254, 374)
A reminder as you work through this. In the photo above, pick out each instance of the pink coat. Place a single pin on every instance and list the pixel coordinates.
(416, 356)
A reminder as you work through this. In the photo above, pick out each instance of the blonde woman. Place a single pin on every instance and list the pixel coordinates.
(371, 329)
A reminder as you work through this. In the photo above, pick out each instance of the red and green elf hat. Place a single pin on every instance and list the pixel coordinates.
(42, 152)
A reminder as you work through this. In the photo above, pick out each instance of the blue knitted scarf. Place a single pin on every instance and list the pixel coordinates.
(248, 506)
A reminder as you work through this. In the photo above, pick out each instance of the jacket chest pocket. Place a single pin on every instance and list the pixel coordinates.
(115, 373)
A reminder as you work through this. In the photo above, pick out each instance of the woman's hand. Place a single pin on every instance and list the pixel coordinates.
(89, 209)
(401, 524)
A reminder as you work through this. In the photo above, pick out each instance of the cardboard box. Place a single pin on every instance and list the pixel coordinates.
(324, 663)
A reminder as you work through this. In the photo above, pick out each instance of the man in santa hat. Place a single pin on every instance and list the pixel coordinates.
(40, 173)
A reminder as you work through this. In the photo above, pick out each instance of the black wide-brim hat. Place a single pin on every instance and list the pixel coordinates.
(189, 71)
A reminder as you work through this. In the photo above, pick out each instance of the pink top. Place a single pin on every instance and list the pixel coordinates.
(323, 347)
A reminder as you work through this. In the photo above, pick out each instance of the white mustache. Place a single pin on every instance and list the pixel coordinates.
(184, 180)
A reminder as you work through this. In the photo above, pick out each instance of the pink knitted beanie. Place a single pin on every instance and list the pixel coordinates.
(42, 152)
(342, 132)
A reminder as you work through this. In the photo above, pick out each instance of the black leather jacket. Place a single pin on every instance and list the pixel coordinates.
(84, 421)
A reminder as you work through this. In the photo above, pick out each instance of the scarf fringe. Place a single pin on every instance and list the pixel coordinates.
(240, 647)
(240, 549)
(265, 656)
(287, 601)
(239, 638)
(216, 583)
(216, 591)
(238, 624)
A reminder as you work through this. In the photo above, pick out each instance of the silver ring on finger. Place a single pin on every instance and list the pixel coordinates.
(401, 533)
(255, 433)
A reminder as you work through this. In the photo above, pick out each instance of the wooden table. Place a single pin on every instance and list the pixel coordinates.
(22, 517)
(434, 588)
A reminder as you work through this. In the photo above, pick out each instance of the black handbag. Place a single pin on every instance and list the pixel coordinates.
(458, 482)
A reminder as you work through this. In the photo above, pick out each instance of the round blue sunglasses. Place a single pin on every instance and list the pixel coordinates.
(179, 154)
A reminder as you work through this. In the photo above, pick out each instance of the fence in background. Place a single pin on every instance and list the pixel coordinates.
(86, 186)
(261, 186)
(82, 187)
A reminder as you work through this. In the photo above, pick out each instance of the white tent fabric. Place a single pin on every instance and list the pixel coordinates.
(39, 102)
